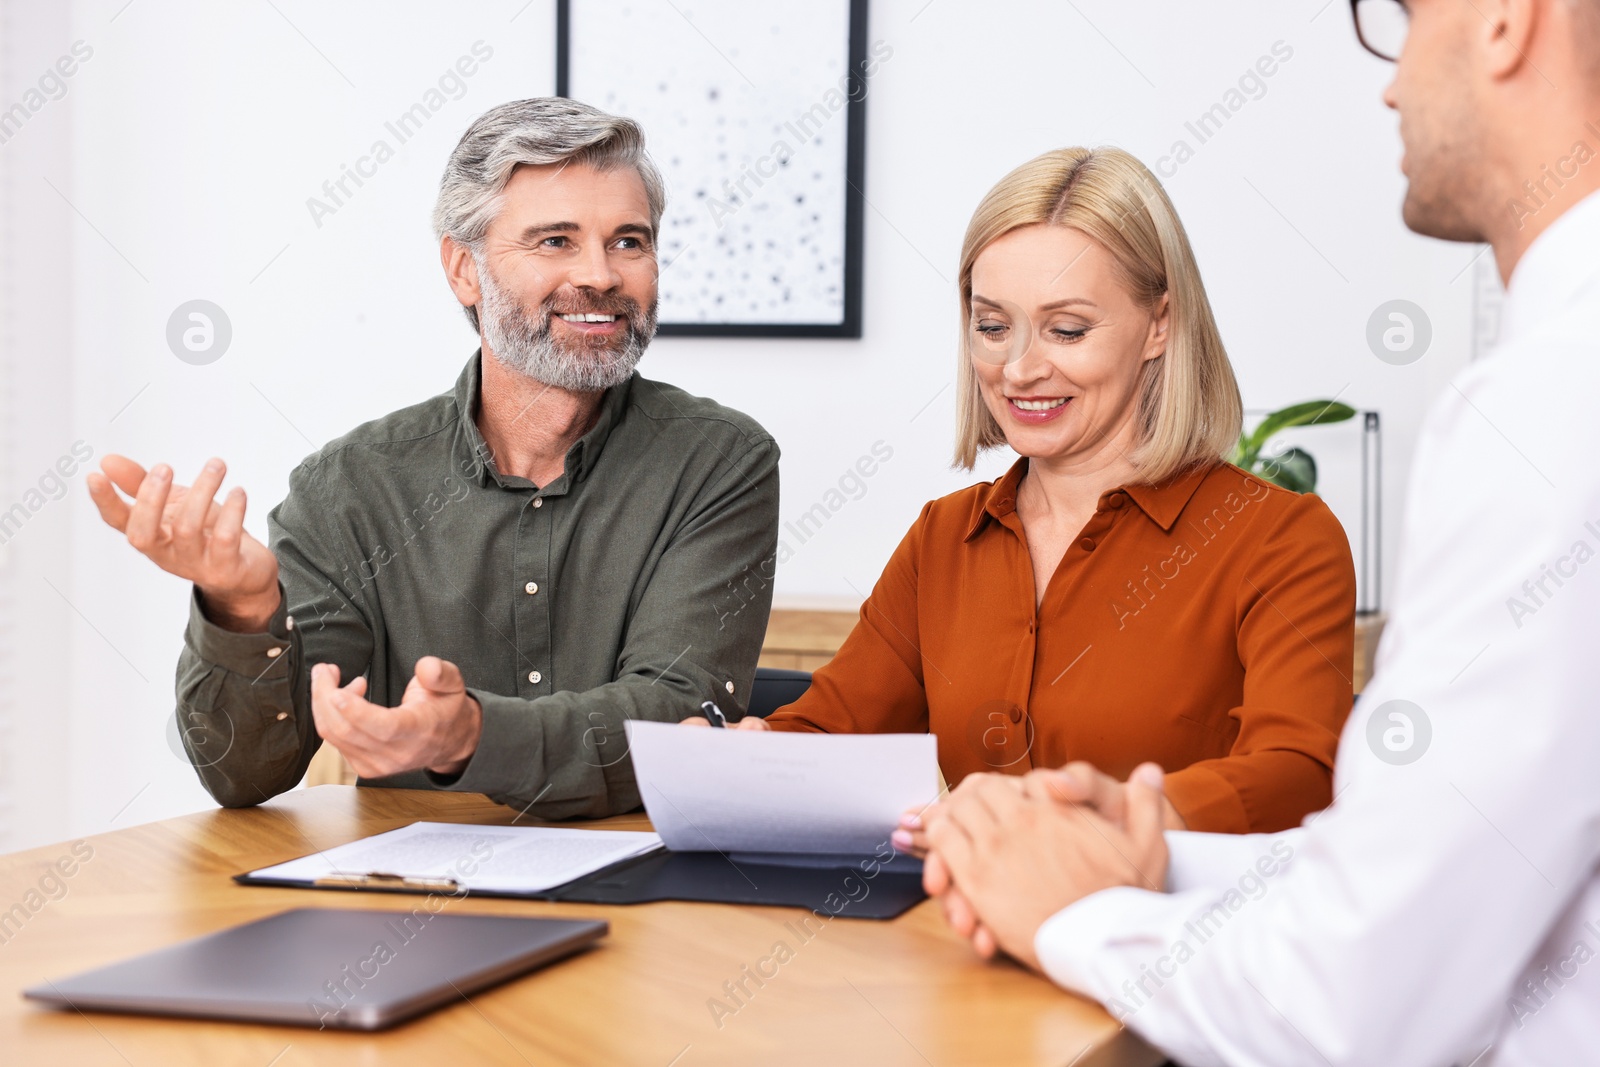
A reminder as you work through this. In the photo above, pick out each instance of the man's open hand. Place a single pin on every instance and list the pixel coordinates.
(1003, 861)
(184, 531)
(436, 726)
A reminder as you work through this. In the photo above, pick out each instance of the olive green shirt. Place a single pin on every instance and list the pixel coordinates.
(634, 586)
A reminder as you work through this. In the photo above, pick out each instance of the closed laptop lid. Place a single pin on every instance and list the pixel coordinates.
(326, 967)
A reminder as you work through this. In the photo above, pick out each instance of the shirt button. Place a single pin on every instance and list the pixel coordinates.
(288, 622)
(1116, 500)
(282, 715)
(728, 686)
(531, 588)
(538, 501)
(274, 653)
(534, 677)
(1016, 713)
(1087, 544)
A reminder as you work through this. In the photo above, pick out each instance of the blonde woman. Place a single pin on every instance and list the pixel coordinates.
(1122, 594)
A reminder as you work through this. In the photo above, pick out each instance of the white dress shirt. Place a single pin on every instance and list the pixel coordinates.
(1444, 910)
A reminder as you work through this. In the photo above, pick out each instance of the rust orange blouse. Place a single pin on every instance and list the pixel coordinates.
(1206, 623)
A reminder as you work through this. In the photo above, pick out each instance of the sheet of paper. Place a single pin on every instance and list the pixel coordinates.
(526, 859)
(733, 790)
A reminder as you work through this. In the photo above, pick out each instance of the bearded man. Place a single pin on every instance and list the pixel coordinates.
(476, 592)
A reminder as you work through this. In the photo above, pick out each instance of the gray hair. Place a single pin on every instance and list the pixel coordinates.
(535, 132)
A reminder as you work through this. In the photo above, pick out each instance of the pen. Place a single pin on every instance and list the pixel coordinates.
(714, 715)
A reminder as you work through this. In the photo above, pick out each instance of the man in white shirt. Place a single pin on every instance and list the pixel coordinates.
(1446, 908)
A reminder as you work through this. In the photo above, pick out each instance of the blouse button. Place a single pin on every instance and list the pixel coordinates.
(1016, 713)
(1087, 544)
(1116, 500)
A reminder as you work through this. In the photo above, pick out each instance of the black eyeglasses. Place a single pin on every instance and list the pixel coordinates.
(1381, 26)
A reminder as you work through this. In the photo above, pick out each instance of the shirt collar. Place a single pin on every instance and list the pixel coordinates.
(1162, 502)
(1000, 500)
(1558, 265)
(1165, 501)
(477, 462)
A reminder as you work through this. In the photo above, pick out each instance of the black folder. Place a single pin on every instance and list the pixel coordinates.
(850, 887)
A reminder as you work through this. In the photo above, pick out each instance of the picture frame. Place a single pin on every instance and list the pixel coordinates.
(763, 233)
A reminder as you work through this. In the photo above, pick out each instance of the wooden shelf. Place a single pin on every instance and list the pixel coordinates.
(1368, 629)
(804, 640)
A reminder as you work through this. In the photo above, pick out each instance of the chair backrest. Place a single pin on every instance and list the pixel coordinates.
(776, 687)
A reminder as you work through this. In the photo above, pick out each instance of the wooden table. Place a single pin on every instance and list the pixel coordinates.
(859, 992)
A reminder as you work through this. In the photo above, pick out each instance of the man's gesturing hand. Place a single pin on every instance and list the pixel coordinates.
(186, 532)
(436, 726)
(1017, 859)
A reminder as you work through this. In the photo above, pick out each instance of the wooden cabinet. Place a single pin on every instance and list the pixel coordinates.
(804, 640)
(1368, 629)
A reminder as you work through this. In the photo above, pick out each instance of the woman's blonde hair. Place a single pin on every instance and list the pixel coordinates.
(1189, 410)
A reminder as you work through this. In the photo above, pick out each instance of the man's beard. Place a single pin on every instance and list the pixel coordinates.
(526, 346)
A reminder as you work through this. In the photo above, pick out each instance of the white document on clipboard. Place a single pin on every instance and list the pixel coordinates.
(774, 792)
(504, 859)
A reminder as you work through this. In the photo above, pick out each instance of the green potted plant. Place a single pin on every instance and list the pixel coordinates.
(1293, 468)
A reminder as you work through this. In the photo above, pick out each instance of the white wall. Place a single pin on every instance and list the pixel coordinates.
(190, 141)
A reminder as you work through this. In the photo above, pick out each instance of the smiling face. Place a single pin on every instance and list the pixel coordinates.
(1058, 344)
(566, 278)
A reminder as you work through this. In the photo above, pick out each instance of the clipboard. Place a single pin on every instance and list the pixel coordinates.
(878, 886)
(868, 888)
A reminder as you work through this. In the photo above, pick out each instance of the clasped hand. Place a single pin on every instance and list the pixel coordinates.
(1005, 853)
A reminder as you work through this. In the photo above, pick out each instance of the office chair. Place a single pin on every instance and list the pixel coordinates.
(774, 687)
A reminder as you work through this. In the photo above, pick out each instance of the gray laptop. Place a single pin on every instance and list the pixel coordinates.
(326, 967)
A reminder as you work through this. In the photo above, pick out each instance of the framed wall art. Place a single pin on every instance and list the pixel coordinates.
(755, 115)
